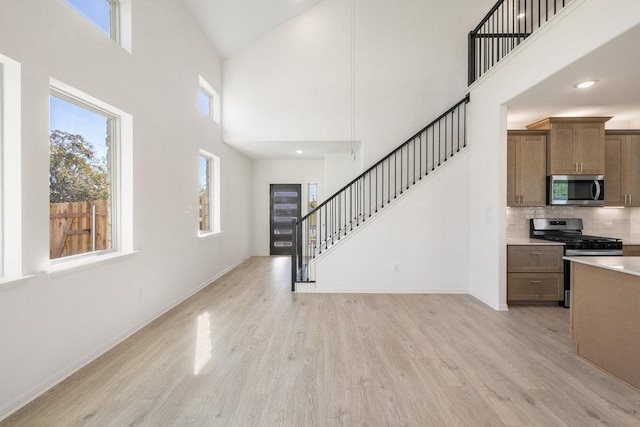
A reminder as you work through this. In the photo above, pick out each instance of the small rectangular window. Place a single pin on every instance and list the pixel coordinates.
(204, 101)
(205, 194)
(80, 175)
(101, 13)
(208, 100)
(209, 193)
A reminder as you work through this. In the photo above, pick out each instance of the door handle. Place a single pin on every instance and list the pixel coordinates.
(596, 184)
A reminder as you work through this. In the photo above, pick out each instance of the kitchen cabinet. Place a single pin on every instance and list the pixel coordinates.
(575, 145)
(631, 250)
(535, 273)
(622, 163)
(526, 168)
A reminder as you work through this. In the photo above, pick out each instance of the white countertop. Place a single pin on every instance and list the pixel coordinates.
(622, 264)
(528, 241)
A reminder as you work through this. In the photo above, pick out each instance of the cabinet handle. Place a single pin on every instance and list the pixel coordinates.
(629, 198)
(536, 281)
(581, 165)
(535, 253)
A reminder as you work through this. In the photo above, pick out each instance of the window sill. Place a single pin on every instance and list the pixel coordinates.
(58, 269)
(12, 282)
(208, 235)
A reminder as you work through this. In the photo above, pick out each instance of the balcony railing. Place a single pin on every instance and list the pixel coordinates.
(506, 25)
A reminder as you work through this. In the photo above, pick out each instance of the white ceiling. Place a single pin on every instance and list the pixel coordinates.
(230, 25)
(616, 67)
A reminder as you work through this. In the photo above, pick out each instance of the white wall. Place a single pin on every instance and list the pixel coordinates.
(266, 172)
(425, 233)
(50, 327)
(295, 84)
(578, 30)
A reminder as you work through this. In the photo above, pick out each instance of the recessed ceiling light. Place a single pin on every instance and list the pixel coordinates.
(586, 84)
(299, 151)
(520, 15)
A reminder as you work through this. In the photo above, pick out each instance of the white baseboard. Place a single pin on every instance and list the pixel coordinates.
(63, 374)
(305, 288)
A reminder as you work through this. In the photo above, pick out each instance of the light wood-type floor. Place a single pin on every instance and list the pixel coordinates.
(265, 356)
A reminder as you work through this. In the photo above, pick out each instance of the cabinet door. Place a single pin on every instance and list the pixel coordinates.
(535, 258)
(512, 194)
(613, 188)
(589, 148)
(561, 149)
(632, 170)
(535, 287)
(532, 170)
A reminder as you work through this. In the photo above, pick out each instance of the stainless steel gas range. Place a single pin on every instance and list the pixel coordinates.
(569, 232)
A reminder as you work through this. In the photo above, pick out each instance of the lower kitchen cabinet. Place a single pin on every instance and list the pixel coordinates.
(631, 250)
(535, 273)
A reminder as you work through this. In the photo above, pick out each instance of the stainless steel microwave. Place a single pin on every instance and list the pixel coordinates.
(581, 190)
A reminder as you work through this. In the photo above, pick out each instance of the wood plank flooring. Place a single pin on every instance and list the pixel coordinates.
(267, 357)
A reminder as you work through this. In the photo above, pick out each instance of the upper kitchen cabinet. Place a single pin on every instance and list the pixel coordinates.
(526, 168)
(575, 145)
(622, 162)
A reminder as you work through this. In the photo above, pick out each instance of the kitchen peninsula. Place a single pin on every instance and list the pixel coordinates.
(605, 313)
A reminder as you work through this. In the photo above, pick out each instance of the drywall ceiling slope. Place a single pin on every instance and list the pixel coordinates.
(232, 24)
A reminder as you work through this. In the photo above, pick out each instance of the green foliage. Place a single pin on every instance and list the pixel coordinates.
(76, 172)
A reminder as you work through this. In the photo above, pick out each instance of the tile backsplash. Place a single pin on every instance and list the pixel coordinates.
(620, 223)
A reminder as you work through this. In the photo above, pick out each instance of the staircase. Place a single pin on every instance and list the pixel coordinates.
(507, 25)
(376, 188)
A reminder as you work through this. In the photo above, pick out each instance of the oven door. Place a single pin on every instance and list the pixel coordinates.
(581, 190)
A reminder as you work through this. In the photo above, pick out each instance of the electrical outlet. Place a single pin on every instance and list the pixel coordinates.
(188, 209)
(608, 225)
(396, 268)
(140, 293)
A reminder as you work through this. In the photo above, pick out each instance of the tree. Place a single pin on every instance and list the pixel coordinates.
(76, 172)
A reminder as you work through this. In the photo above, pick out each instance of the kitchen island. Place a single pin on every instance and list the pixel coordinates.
(605, 313)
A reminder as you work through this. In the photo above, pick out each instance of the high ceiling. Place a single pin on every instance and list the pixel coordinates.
(230, 25)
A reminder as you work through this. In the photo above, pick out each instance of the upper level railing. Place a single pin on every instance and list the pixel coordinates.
(506, 25)
(376, 188)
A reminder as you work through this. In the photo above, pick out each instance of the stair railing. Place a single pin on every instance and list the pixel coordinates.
(506, 25)
(376, 188)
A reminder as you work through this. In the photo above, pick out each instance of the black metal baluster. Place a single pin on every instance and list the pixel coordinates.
(376, 188)
(370, 210)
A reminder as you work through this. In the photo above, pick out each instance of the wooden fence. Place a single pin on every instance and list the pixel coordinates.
(70, 230)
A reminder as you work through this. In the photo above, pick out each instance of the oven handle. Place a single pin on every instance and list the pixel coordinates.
(596, 184)
(587, 252)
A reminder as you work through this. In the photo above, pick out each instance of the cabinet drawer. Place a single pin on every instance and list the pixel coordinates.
(533, 258)
(631, 250)
(535, 286)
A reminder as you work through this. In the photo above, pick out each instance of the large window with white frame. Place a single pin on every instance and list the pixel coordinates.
(112, 17)
(209, 194)
(10, 171)
(90, 172)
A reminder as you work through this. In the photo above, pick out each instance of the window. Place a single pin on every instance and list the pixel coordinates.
(205, 194)
(99, 12)
(90, 172)
(10, 171)
(112, 17)
(209, 194)
(208, 100)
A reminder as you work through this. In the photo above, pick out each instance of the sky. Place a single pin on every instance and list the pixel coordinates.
(96, 11)
(70, 118)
